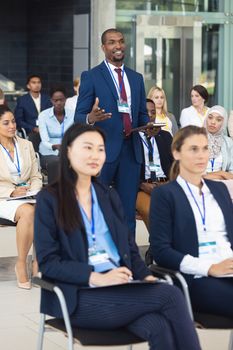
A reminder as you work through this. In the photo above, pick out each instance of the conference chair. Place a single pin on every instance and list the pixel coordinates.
(202, 320)
(83, 336)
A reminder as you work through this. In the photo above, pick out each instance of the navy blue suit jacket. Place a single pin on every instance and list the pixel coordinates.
(26, 113)
(98, 83)
(63, 258)
(173, 232)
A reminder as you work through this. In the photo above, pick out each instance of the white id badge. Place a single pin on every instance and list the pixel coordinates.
(37, 122)
(123, 107)
(153, 166)
(97, 256)
(207, 245)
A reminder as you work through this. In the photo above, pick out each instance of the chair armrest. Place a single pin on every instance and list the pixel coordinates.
(164, 272)
(161, 271)
(43, 283)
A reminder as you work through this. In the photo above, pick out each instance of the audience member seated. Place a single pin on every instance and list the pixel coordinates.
(162, 115)
(196, 113)
(220, 165)
(19, 173)
(157, 161)
(30, 105)
(191, 225)
(71, 102)
(83, 241)
(53, 123)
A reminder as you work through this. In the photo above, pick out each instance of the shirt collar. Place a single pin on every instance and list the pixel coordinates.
(182, 182)
(112, 67)
(52, 115)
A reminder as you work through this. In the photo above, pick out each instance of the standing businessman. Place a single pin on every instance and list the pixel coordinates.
(112, 96)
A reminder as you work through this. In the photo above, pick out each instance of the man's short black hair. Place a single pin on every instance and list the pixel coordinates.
(33, 76)
(149, 100)
(110, 30)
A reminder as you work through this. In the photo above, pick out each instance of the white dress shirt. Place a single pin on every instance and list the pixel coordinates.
(12, 166)
(71, 102)
(114, 74)
(215, 231)
(190, 116)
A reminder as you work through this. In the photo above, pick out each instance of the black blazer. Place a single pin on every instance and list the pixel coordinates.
(173, 232)
(63, 258)
(163, 140)
(26, 113)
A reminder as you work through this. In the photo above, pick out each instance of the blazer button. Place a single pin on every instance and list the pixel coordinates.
(125, 256)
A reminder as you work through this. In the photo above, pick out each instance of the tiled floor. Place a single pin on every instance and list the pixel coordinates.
(19, 315)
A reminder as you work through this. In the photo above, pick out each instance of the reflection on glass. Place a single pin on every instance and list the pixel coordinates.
(171, 74)
(170, 5)
(210, 50)
(150, 62)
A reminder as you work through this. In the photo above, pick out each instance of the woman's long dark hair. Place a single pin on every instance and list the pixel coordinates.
(178, 142)
(69, 215)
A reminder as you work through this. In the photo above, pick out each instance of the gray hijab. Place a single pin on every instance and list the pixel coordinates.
(215, 140)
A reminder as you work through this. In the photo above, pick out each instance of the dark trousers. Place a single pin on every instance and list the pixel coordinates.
(51, 164)
(124, 173)
(212, 295)
(155, 312)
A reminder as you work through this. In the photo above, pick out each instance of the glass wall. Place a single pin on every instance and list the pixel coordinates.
(177, 44)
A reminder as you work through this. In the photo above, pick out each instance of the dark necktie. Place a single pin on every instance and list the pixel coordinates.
(125, 116)
(151, 160)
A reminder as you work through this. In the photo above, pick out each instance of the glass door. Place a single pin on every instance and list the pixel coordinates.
(172, 56)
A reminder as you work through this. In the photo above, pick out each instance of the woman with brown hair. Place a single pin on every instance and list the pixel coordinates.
(196, 113)
(191, 225)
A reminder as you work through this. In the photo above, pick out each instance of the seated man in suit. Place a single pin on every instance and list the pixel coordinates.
(156, 145)
(30, 105)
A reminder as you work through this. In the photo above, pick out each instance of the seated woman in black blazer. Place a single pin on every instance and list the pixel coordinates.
(191, 225)
(82, 240)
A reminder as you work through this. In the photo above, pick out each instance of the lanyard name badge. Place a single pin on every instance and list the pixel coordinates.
(152, 165)
(96, 256)
(12, 160)
(212, 164)
(122, 105)
(207, 243)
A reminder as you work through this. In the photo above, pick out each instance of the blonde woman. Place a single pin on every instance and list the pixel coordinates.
(162, 115)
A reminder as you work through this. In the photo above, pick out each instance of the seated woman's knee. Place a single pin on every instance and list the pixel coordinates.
(26, 212)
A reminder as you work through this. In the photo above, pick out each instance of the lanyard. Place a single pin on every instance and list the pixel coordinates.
(147, 146)
(92, 220)
(119, 87)
(203, 216)
(17, 158)
(212, 164)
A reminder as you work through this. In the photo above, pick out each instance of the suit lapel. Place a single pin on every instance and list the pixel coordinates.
(32, 103)
(107, 76)
(133, 89)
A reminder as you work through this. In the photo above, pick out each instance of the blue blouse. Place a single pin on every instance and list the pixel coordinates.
(103, 236)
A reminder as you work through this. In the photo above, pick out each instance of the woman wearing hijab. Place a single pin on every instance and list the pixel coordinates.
(220, 165)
